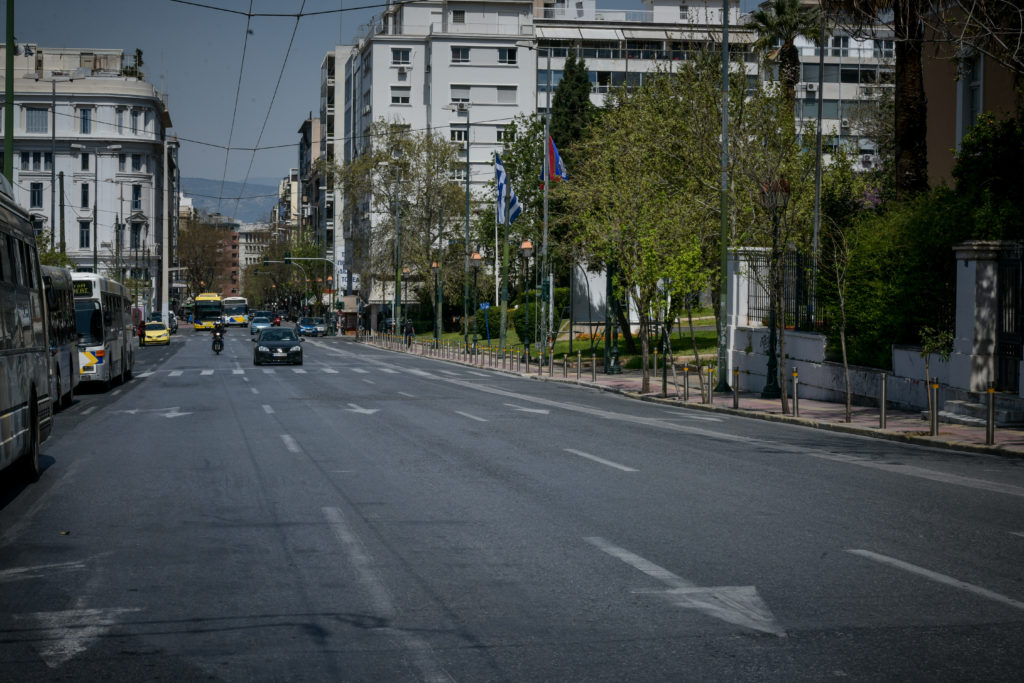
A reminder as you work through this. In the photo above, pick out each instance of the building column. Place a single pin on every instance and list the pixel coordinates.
(973, 361)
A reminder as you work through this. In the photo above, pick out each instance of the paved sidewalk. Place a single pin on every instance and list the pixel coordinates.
(901, 425)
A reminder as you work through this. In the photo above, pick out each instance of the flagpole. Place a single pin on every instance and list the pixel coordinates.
(545, 266)
(504, 264)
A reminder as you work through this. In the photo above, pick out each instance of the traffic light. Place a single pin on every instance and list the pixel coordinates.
(287, 257)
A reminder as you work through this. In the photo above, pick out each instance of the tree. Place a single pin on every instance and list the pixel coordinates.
(862, 17)
(571, 109)
(777, 27)
(202, 254)
(991, 27)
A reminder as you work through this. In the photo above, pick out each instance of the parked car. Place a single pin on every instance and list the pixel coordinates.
(321, 326)
(155, 333)
(305, 327)
(277, 345)
(257, 324)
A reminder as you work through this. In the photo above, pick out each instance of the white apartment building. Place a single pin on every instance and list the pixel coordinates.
(337, 243)
(84, 114)
(469, 67)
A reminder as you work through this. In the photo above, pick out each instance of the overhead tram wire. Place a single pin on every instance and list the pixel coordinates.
(234, 114)
(273, 98)
(301, 14)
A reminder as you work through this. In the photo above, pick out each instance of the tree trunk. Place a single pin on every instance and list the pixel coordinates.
(693, 341)
(626, 332)
(911, 104)
(781, 321)
(846, 372)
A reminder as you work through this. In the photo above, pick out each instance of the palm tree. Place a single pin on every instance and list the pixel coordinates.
(777, 28)
(910, 145)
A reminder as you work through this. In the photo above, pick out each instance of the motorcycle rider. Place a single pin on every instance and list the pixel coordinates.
(218, 333)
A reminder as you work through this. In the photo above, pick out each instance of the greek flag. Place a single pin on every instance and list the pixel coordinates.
(514, 207)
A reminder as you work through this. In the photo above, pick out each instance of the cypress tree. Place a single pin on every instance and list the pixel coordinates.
(571, 109)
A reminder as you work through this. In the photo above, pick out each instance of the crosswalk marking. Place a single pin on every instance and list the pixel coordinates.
(175, 373)
(268, 371)
(360, 371)
(144, 374)
(298, 371)
(303, 371)
(206, 372)
(238, 371)
(330, 371)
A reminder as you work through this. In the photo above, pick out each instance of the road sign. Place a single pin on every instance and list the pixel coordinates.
(485, 305)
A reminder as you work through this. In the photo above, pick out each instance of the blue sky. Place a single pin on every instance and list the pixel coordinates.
(194, 55)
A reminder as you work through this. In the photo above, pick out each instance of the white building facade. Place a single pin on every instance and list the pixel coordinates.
(87, 116)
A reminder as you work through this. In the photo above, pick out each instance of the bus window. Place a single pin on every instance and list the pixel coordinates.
(88, 322)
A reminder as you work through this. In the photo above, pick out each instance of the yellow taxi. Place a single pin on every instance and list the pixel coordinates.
(155, 333)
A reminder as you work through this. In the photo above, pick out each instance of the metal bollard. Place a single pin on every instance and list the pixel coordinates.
(551, 361)
(579, 358)
(565, 365)
(540, 363)
(736, 388)
(527, 363)
(796, 393)
(934, 409)
(882, 402)
(593, 367)
(711, 386)
(990, 421)
(686, 383)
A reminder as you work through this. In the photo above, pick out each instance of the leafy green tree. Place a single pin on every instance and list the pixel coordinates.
(988, 171)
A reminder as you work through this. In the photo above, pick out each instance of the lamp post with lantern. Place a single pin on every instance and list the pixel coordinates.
(526, 248)
(475, 260)
(436, 267)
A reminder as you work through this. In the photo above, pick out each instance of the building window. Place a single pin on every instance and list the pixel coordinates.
(885, 48)
(83, 234)
(85, 161)
(85, 121)
(684, 12)
(136, 163)
(457, 173)
(458, 134)
(400, 94)
(503, 135)
(37, 120)
(506, 94)
(460, 93)
(37, 161)
(458, 16)
(840, 46)
(120, 121)
(136, 236)
(460, 55)
(122, 158)
(969, 87)
(506, 55)
(26, 161)
(48, 161)
(136, 197)
(400, 55)
(85, 196)
(135, 121)
(35, 200)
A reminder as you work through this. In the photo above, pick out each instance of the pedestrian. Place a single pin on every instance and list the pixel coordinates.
(409, 332)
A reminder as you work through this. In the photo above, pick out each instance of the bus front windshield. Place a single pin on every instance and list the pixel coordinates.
(235, 309)
(208, 310)
(89, 321)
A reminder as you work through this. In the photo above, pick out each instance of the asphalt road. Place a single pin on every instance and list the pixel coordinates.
(374, 516)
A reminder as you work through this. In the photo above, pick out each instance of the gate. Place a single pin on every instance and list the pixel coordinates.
(1009, 323)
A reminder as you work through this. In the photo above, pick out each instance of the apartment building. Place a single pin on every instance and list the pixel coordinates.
(337, 242)
(85, 120)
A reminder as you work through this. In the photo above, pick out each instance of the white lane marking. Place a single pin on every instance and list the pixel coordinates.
(478, 374)
(739, 605)
(540, 411)
(906, 470)
(144, 374)
(451, 373)
(175, 373)
(421, 373)
(267, 409)
(330, 371)
(686, 415)
(471, 417)
(299, 371)
(609, 463)
(254, 390)
(268, 371)
(937, 577)
(361, 371)
(238, 371)
(406, 394)
(353, 408)
(115, 392)
(290, 443)
(369, 381)
(88, 410)
(37, 571)
(62, 635)
(206, 372)
(1018, 533)
(417, 649)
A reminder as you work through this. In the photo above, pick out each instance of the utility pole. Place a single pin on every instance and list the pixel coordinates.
(63, 243)
(9, 96)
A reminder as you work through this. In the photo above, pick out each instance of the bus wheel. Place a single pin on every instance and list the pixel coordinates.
(30, 461)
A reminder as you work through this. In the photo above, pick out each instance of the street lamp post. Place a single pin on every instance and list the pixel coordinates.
(475, 259)
(436, 267)
(774, 196)
(464, 107)
(527, 248)
(405, 295)
(398, 254)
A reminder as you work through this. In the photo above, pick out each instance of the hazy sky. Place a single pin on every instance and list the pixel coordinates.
(194, 55)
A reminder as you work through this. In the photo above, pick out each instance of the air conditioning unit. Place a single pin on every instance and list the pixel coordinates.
(845, 123)
(866, 160)
(366, 109)
(812, 87)
(403, 69)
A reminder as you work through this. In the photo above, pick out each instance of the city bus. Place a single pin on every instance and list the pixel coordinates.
(236, 310)
(62, 333)
(26, 413)
(104, 325)
(207, 310)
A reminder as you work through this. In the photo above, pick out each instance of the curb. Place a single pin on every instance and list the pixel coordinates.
(912, 439)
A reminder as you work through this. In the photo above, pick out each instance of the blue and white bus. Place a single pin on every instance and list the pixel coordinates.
(236, 310)
(62, 334)
(26, 413)
(104, 322)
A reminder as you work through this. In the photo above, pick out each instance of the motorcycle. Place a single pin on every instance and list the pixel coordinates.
(218, 341)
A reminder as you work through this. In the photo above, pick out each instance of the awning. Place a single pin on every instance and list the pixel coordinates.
(549, 33)
(600, 34)
(632, 34)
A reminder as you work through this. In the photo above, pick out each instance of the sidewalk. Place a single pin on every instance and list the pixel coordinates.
(901, 425)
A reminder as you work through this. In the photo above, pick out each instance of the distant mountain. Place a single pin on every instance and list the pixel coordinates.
(254, 207)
